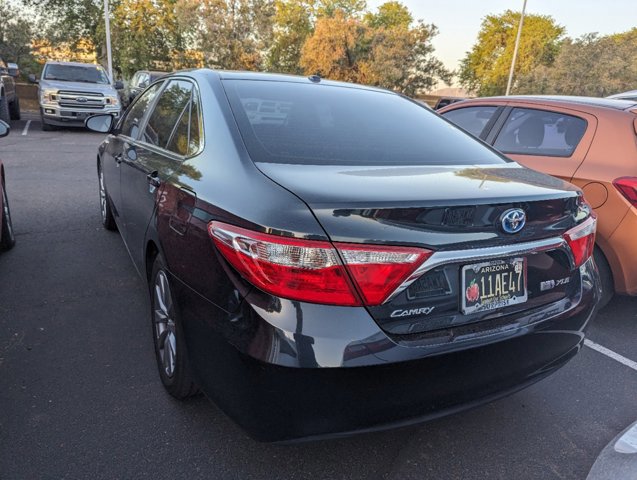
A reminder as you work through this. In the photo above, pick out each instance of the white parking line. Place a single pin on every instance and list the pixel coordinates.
(609, 353)
(26, 128)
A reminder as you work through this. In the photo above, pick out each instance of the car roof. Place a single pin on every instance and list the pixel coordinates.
(629, 93)
(614, 104)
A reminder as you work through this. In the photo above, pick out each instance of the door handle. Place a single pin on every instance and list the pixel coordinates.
(153, 179)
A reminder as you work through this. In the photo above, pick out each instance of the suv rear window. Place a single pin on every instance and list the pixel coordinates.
(286, 122)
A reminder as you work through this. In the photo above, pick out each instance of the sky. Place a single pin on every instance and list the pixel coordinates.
(459, 21)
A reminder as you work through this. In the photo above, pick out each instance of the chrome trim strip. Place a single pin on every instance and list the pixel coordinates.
(478, 254)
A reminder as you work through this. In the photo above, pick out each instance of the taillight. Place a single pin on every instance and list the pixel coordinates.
(378, 271)
(581, 240)
(627, 186)
(312, 271)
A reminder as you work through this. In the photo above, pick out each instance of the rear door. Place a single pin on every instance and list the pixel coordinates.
(121, 146)
(552, 140)
(158, 153)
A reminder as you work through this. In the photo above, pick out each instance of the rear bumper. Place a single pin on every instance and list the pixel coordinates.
(288, 371)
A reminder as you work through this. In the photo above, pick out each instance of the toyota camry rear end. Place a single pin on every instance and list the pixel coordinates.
(342, 259)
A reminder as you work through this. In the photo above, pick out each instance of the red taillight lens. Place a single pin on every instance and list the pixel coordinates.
(378, 271)
(312, 271)
(581, 240)
(627, 186)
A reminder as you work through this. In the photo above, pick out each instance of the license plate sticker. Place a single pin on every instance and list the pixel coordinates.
(494, 284)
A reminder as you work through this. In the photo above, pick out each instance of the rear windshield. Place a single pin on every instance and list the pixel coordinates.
(76, 73)
(284, 122)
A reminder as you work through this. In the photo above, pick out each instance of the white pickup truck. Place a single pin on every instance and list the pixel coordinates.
(70, 92)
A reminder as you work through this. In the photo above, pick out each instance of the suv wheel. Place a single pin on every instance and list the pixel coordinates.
(14, 109)
(4, 110)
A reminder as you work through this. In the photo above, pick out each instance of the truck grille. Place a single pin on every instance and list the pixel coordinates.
(83, 100)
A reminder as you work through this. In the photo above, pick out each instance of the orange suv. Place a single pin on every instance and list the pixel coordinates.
(590, 142)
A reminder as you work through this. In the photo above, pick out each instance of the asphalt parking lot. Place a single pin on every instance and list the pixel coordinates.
(80, 396)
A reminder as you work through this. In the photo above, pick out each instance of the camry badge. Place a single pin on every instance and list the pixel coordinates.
(513, 220)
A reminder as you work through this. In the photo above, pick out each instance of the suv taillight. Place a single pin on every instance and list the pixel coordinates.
(581, 240)
(313, 271)
(627, 186)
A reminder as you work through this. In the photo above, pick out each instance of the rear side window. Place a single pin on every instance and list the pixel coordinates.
(303, 123)
(471, 119)
(133, 118)
(171, 107)
(540, 132)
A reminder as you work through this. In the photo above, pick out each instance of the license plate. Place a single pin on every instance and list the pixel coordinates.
(493, 284)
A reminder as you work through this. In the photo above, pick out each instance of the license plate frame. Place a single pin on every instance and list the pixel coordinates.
(493, 284)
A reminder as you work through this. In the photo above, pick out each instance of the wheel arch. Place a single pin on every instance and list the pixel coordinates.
(151, 252)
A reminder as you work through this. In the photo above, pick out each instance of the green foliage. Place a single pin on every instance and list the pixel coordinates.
(233, 34)
(293, 23)
(485, 68)
(590, 66)
(389, 15)
(379, 49)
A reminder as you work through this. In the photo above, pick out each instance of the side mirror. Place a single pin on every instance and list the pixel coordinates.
(100, 123)
(32, 78)
(119, 85)
(4, 129)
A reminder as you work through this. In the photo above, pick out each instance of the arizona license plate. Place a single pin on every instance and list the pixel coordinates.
(493, 284)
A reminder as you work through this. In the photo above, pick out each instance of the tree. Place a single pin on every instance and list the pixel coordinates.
(144, 33)
(71, 21)
(381, 49)
(335, 48)
(485, 68)
(16, 34)
(232, 34)
(402, 59)
(293, 24)
(590, 65)
(389, 15)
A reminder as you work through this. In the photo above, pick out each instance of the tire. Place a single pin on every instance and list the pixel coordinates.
(606, 277)
(7, 241)
(170, 346)
(108, 219)
(14, 109)
(4, 110)
(46, 127)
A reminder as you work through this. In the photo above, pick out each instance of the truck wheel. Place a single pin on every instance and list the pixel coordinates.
(46, 127)
(14, 109)
(4, 110)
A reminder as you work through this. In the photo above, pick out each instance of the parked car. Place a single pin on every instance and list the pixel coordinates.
(444, 101)
(138, 83)
(325, 269)
(9, 100)
(630, 95)
(587, 141)
(14, 69)
(7, 237)
(70, 92)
